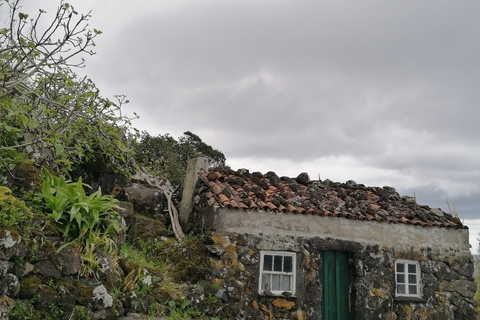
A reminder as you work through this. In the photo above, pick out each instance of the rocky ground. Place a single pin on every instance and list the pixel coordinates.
(147, 274)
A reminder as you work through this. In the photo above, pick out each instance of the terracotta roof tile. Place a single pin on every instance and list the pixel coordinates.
(211, 201)
(217, 189)
(271, 206)
(255, 191)
(242, 205)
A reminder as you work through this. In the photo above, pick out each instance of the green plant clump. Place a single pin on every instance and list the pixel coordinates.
(76, 214)
(54, 311)
(87, 221)
(79, 313)
(22, 310)
(13, 212)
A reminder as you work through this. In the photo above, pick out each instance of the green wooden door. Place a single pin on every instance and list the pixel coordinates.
(335, 279)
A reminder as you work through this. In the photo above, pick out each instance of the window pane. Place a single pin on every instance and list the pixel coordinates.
(287, 264)
(286, 283)
(276, 282)
(400, 267)
(277, 263)
(412, 268)
(412, 289)
(400, 278)
(412, 278)
(267, 262)
(266, 282)
(400, 288)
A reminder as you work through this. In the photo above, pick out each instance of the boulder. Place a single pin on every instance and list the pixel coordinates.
(9, 243)
(29, 287)
(9, 285)
(26, 176)
(101, 299)
(146, 229)
(6, 305)
(5, 267)
(46, 296)
(147, 201)
(47, 270)
(68, 261)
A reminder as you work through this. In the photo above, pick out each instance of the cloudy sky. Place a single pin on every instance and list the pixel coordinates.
(380, 92)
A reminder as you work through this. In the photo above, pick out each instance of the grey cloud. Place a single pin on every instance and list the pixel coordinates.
(393, 85)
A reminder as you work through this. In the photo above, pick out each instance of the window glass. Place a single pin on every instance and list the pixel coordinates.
(412, 289)
(412, 268)
(400, 267)
(287, 264)
(266, 282)
(412, 278)
(277, 263)
(286, 283)
(276, 282)
(267, 262)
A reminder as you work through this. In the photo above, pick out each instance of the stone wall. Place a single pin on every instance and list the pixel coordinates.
(447, 283)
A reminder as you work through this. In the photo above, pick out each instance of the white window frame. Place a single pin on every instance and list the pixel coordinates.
(407, 281)
(291, 274)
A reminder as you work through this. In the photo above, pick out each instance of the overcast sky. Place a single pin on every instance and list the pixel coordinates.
(380, 92)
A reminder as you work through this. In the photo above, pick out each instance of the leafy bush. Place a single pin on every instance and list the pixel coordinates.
(45, 109)
(168, 158)
(13, 212)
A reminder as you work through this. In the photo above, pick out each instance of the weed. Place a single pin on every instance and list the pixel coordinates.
(154, 310)
(141, 258)
(130, 282)
(86, 221)
(96, 243)
(142, 291)
(172, 289)
(182, 311)
(189, 237)
(32, 247)
(115, 293)
(212, 299)
(54, 311)
(22, 310)
(79, 313)
(77, 215)
(13, 212)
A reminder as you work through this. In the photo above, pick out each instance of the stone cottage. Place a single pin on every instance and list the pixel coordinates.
(284, 248)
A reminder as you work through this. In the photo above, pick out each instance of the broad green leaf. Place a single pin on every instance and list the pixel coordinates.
(33, 124)
(23, 118)
(78, 218)
(67, 228)
(59, 150)
(73, 213)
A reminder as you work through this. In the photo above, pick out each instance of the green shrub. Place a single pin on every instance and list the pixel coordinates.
(87, 221)
(79, 216)
(13, 212)
(45, 108)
